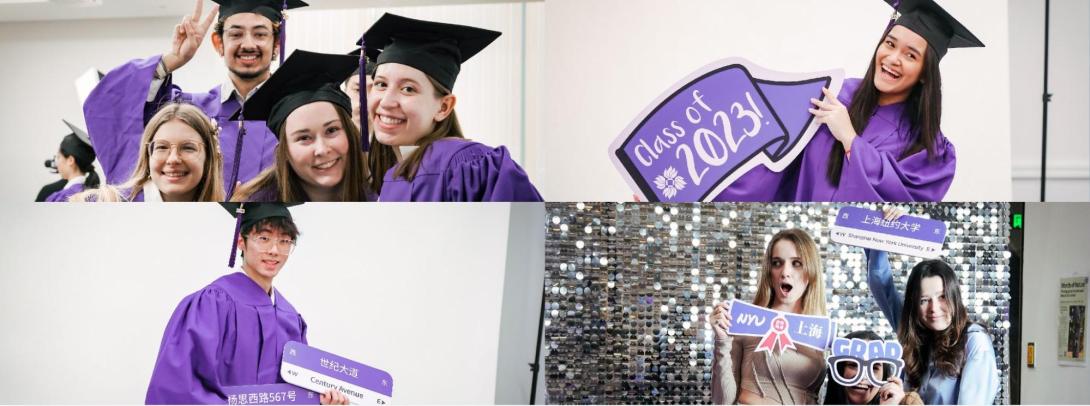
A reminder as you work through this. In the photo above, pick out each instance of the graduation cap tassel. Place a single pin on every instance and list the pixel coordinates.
(283, 31)
(238, 153)
(364, 115)
(893, 17)
(234, 237)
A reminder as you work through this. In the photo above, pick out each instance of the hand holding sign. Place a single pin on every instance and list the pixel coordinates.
(320, 371)
(715, 125)
(780, 329)
(889, 231)
(833, 114)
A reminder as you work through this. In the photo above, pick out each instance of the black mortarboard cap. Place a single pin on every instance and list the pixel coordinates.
(246, 214)
(271, 9)
(437, 49)
(78, 132)
(941, 30)
(305, 77)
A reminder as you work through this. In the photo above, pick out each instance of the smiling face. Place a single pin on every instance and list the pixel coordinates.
(265, 250)
(66, 166)
(247, 45)
(864, 391)
(898, 63)
(317, 145)
(934, 308)
(176, 160)
(789, 278)
(404, 105)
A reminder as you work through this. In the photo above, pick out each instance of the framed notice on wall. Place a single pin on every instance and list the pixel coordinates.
(1072, 327)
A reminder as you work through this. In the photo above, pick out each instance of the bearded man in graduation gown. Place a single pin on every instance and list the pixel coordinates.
(232, 332)
(245, 35)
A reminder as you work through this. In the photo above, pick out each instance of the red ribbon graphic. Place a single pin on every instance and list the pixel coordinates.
(778, 334)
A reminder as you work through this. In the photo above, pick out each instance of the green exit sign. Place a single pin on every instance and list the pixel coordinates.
(1017, 221)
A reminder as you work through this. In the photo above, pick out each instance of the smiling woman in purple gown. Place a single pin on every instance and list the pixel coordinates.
(422, 151)
(319, 156)
(232, 332)
(179, 162)
(881, 139)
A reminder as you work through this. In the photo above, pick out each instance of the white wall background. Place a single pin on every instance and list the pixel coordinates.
(497, 92)
(522, 309)
(415, 290)
(609, 58)
(1068, 113)
(1055, 246)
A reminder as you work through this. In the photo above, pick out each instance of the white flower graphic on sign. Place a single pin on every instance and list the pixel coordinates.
(670, 182)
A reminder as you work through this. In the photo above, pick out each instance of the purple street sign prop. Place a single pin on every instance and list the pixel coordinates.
(320, 371)
(712, 127)
(864, 355)
(907, 235)
(272, 394)
(780, 329)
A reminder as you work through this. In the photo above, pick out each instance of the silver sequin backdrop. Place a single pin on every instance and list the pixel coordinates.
(628, 286)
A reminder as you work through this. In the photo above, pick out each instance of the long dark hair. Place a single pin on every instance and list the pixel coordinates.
(923, 109)
(945, 348)
(72, 146)
(382, 157)
(837, 394)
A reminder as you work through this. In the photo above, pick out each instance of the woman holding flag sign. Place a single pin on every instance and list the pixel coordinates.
(792, 280)
(948, 359)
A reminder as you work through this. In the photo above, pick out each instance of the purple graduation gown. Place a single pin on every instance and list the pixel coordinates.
(63, 194)
(875, 172)
(117, 110)
(229, 333)
(459, 170)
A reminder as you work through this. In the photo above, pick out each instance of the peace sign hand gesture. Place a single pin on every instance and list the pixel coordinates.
(188, 36)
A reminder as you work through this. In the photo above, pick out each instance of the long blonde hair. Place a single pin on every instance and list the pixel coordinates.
(354, 187)
(813, 299)
(209, 189)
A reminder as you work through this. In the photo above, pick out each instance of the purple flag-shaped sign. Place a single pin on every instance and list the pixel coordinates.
(907, 235)
(321, 371)
(272, 394)
(780, 329)
(715, 125)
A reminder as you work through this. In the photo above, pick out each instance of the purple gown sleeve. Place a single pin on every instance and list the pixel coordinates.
(63, 195)
(872, 175)
(188, 366)
(116, 111)
(487, 175)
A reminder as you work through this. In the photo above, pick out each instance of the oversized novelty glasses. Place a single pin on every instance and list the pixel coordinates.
(892, 367)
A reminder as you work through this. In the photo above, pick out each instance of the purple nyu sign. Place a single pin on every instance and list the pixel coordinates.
(715, 125)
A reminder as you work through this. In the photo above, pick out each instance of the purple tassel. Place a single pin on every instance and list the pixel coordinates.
(238, 152)
(364, 125)
(234, 237)
(283, 31)
(896, 14)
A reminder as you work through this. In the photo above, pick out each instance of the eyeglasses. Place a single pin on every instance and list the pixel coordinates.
(864, 368)
(186, 150)
(264, 243)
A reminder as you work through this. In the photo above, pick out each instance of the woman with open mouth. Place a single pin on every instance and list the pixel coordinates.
(320, 155)
(949, 359)
(420, 153)
(792, 280)
(881, 139)
(180, 161)
(865, 392)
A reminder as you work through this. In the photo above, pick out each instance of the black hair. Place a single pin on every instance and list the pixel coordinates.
(923, 107)
(72, 146)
